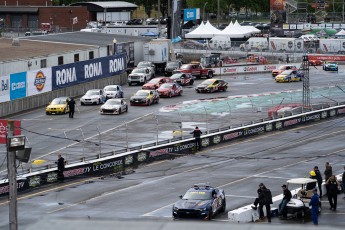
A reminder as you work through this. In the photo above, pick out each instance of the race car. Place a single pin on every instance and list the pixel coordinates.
(212, 85)
(289, 76)
(333, 66)
(170, 90)
(282, 68)
(315, 62)
(113, 91)
(145, 97)
(58, 106)
(156, 82)
(114, 106)
(93, 96)
(183, 78)
(201, 201)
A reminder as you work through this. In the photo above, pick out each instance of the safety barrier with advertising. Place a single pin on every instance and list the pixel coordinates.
(126, 162)
(247, 69)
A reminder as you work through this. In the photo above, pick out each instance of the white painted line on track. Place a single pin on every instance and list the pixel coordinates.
(149, 213)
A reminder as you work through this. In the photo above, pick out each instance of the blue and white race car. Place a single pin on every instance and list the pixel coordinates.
(200, 202)
(330, 65)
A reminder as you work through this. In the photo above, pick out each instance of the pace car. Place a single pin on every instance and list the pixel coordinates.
(144, 97)
(333, 66)
(200, 201)
(114, 106)
(289, 76)
(212, 85)
(182, 78)
(170, 90)
(58, 106)
(156, 82)
(93, 96)
(283, 68)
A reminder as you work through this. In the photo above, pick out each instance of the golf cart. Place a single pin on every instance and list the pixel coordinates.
(299, 204)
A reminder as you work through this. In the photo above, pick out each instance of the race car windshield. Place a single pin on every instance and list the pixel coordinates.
(113, 102)
(138, 71)
(287, 72)
(282, 67)
(58, 101)
(207, 82)
(197, 195)
(91, 93)
(154, 81)
(186, 67)
(166, 86)
(144, 64)
(331, 63)
(140, 93)
(176, 76)
(172, 64)
(110, 88)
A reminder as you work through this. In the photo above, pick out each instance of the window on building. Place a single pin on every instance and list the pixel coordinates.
(91, 55)
(60, 60)
(76, 57)
(43, 63)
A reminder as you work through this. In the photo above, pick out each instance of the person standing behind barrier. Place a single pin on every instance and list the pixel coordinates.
(61, 168)
(319, 179)
(332, 192)
(314, 203)
(328, 173)
(197, 135)
(286, 198)
(265, 199)
(71, 106)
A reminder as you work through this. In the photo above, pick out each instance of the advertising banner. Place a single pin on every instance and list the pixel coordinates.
(4, 89)
(85, 71)
(18, 85)
(39, 81)
(326, 57)
(191, 14)
(3, 130)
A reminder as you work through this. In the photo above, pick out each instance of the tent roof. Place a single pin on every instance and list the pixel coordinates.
(233, 32)
(341, 32)
(203, 31)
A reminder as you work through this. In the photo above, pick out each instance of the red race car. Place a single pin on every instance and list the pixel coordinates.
(156, 82)
(315, 62)
(182, 78)
(170, 90)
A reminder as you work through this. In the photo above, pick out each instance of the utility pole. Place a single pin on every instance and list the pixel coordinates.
(159, 18)
(12, 181)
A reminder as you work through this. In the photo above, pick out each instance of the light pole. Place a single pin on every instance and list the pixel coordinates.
(203, 13)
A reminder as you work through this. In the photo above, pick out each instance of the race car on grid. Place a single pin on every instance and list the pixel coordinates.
(170, 90)
(290, 76)
(201, 202)
(212, 85)
(145, 97)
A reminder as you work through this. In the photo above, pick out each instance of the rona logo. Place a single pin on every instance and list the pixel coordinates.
(40, 80)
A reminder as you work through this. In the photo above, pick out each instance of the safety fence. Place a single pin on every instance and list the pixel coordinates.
(168, 149)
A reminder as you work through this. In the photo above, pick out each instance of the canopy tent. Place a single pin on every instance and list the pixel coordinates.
(233, 31)
(203, 31)
(323, 32)
(341, 33)
(251, 29)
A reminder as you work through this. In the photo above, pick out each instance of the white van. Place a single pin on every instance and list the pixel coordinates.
(220, 42)
(255, 44)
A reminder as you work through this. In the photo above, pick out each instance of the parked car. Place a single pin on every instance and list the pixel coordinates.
(170, 90)
(182, 78)
(58, 106)
(113, 91)
(201, 201)
(211, 85)
(93, 96)
(156, 82)
(145, 97)
(114, 106)
(171, 66)
(139, 76)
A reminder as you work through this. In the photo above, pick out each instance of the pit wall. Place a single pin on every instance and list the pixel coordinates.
(126, 162)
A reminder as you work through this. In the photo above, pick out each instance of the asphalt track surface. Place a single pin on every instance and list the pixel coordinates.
(90, 134)
(237, 167)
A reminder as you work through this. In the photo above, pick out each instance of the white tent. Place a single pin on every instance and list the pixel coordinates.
(340, 33)
(233, 32)
(251, 29)
(203, 31)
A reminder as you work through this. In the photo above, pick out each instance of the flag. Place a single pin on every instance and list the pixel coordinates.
(75, 20)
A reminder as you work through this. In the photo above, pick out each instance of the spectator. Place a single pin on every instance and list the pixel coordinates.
(328, 173)
(265, 199)
(319, 179)
(286, 198)
(197, 135)
(71, 106)
(61, 168)
(256, 201)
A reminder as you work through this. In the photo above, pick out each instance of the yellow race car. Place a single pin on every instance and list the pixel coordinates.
(211, 85)
(58, 106)
(289, 76)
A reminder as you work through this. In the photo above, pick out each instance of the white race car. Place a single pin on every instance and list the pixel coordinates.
(114, 106)
(93, 96)
(113, 91)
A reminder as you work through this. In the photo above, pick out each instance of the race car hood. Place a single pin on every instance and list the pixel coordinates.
(56, 106)
(281, 75)
(202, 86)
(137, 74)
(90, 97)
(138, 97)
(149, 85)
(192, 204)
(163, 90)
(110, 106)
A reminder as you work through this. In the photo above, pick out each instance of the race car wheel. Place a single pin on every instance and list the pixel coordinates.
(64, 111)
(191, 82)
(169, 95)
(223, 207)
(225, 88)
(126, 109)
(120, 111)
(81, 103)
(47, 113)
(129, 84)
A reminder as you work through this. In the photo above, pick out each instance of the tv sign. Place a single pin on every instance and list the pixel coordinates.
(191, 14)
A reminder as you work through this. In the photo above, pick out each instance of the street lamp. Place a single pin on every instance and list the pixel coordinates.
(203, 13)
(15, 143)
